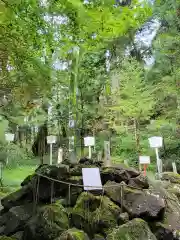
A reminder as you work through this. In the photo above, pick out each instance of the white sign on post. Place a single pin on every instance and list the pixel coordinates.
(156, 142)
(91, 179)
(51, 140)
(144, 159)
(89, 142)
(9, 137)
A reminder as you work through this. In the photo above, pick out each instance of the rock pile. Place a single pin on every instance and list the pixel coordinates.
(43, 209)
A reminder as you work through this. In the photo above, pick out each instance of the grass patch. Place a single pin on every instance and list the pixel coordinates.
(12, 178)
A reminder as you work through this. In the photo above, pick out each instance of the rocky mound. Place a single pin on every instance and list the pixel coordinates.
(129, 207)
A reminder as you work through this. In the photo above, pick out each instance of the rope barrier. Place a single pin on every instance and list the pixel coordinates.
(121, 185)
(80, 185)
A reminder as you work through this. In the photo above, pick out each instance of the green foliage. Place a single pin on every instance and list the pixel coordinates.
(17, 156)
(134, 93)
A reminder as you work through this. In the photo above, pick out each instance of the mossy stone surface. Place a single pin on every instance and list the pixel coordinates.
(73, 234)
(137, 229)
(6, 238)
(94, 214)
(50, 221)
(172, 177)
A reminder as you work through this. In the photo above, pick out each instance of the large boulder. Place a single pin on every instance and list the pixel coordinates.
(42, 181)
(94, 214)
(114, 174)
(164, 232)
(139, 182)
(138, 203)
(49, 222)
(20, 197)
(171, 221)
(131, 171)
(15, 219)
(73, 234)
(137, 229)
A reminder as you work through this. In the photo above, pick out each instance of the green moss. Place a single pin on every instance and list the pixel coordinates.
(172, 177)
(175, 189)
(73, 234)
(94, 213)
(6, 238)
(137, 229)
(49, 223)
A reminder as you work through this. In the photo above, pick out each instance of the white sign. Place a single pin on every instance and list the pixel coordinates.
(71, 123)
(89, 141)
(144, 159)
(91, 178)
(51, 139)
(9, 137)
(156, 142)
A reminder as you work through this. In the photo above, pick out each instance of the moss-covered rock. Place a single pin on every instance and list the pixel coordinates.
(171, 218)
(137, 229)
(94, 214)
(138, 203)
(114, 174)
(175, 189)
(98, 237)
(172, 177)
(6, 238)
(20, 197)
(139, 182)
(73, 234)
(131, 171)
(18, 235)
(123, 218)
(16, 218)
(163, 231)
(49, 223)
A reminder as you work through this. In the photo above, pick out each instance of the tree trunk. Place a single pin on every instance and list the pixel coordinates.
(136, 135)
(39, 147)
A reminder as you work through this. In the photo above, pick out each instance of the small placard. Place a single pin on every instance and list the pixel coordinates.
(89, 141)
(156, 142)
(9, 137)
(71, 123)
(91, 179)
(51, 139)
(144, 159)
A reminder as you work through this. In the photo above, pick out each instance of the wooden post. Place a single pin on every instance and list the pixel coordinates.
(174, 167)
(107, 153)
(60, 156)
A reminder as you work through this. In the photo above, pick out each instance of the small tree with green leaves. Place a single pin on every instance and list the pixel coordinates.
(133, 103)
